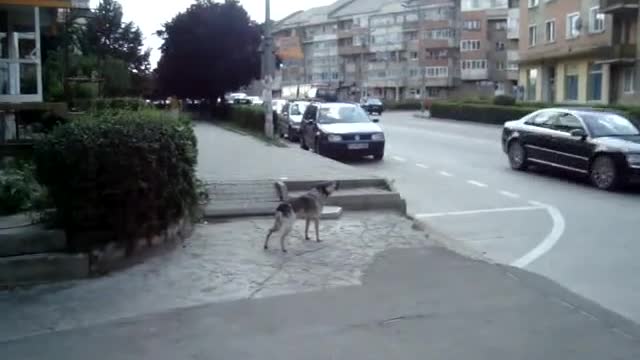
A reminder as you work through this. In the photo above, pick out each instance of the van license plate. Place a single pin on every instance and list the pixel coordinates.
(358, 146)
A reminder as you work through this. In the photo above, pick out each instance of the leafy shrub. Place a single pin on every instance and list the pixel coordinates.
(504, 100)
(128, 174)
(489, 114)
(402, 105)
(247, 117)
(109, 104)
(19, 190)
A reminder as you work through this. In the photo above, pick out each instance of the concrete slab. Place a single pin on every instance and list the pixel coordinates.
(40, 268)
(31, 240)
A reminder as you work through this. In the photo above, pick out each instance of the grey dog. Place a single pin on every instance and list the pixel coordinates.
(308, 206)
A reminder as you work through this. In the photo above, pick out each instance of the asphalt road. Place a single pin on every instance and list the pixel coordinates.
(456, 177)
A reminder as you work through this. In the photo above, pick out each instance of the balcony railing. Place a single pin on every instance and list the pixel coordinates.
(619, 6)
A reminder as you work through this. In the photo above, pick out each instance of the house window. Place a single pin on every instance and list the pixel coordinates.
(594, 86)
(596, 20)
(474, 64)
(501, 25)
(533, 3)
(532, 83)
(573, 25)
(628, 77)
(533, 35)
(550, 31)
(413, 55)
(469, 45)
(571, 83)
(499, 46)
(471, 25)
(437, 71)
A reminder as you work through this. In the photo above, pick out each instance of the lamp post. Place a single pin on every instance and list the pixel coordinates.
(423, 91)
(268, 67)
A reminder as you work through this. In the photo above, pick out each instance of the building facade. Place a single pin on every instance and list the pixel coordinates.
(384, 48)
(579, 51)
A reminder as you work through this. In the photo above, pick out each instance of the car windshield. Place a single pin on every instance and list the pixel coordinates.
(342, 114)
(374, 102)
(298, 108)
(607, 124)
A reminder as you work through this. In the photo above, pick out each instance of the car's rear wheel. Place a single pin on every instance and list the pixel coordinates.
(291, 134)
(517, 156)
(604, 173)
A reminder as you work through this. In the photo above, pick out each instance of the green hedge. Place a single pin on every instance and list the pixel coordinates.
(108, 104)
(402, 105)
(247, 117)
(489, 114)
(125, 174)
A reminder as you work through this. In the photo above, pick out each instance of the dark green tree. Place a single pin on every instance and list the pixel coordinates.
(209, 49)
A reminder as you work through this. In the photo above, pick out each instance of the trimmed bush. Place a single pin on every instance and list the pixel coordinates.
(402, 105)
(489, 114)
(247, 117)
(504, 100)
(127, 174)
(109, 104)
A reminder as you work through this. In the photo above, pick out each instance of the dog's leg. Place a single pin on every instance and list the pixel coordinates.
(266, 241)
(283, 237)
(317, 224)
(276, 227)
(306, 229)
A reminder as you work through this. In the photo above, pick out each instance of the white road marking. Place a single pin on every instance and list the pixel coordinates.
(422, 166)
(549, 241)
(398, 158)
(477, 183)
(444, 173)
(509, 194)
(480, 211)
(284, 178)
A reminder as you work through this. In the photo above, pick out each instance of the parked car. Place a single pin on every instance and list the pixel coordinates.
(291, 119)
(373, 106)
(255, 100)
(601, 145)
(231, 98)
(339, 129)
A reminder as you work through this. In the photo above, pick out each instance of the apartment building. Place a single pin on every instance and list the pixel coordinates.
(385, 48)
(579, 51)
(489, 51)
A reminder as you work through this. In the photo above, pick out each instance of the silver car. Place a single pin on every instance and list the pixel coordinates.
(291, 119)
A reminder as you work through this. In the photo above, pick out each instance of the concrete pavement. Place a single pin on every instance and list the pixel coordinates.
(455, 175)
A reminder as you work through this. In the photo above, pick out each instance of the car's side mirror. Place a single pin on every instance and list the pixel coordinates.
(375, 120)
(578, 133)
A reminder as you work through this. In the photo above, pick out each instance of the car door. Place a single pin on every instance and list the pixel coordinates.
(537, 135)
(308, 124)
(572, 152)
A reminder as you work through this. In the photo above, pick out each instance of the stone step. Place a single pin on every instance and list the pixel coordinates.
(33, 239)
(42, 268)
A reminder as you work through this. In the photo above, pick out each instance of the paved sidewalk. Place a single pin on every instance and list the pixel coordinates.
(228, 155)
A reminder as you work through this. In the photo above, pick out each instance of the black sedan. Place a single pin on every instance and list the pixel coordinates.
(340, 129)
(373, 106)
(602, 145)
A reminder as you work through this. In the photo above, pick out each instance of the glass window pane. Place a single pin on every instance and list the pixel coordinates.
(28, 79)
(27, 46)
(4, 79)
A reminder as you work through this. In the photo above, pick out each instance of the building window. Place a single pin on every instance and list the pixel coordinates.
(596, 20)
(499, 46)
(533, 3)
(474, 64)
(471, 25)
(413, 55)
(594, 86)
(512, 66)
(532, 83)
(573, 25)
(533, 35)
(571, 83)
(628, 79)
(437, 71)
(413, 72)
(500, 65)
(550, 31)
(501, 25)
(469, 45)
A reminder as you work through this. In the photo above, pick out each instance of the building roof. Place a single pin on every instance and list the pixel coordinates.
(361, 7)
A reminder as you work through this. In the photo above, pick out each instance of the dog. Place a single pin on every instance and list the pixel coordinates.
(309, 206)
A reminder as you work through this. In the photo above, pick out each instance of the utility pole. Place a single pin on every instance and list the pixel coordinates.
(268, 67)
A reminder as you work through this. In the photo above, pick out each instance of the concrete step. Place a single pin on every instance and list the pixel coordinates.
(33, 239)
(328, 212)
(365, 198)
(42, 268)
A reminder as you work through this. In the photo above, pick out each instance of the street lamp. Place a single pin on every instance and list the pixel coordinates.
(423, 91)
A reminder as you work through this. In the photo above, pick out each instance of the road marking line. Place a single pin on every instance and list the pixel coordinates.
(477, 183)
(480, 211)
(509, 194)
(398, 158)
(444, 173)
(422, 166)
(549, 241)
(284, 178)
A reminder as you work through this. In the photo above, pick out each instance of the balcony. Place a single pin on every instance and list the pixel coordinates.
(621, 53)
(474, 74)
(619, 6)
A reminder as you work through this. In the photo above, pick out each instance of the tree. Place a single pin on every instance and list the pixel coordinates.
(209, 49)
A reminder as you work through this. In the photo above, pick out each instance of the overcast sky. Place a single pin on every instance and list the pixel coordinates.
(149, 15)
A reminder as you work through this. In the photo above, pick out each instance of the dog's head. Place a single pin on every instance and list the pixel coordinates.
(328, 188)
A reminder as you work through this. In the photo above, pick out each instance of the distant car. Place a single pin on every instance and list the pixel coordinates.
(601, 145)
(291, 119)
(373, 106)
(231, 98)
(278, 105)
(339, 129)
(255, 100)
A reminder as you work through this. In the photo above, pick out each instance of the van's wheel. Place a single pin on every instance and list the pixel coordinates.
(604, 173)
(517, 156)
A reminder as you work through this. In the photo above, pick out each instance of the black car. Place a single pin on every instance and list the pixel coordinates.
(603, 145)
(373, 106)
(339, 129)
